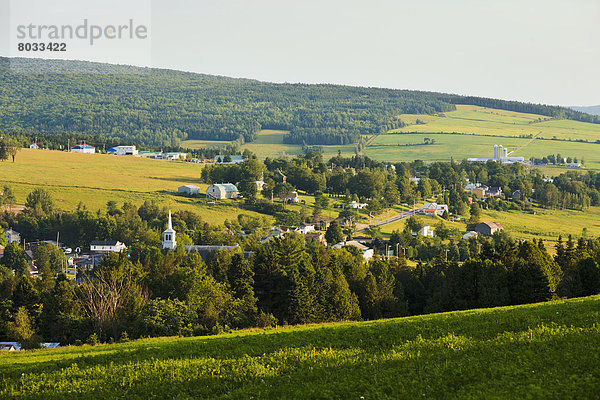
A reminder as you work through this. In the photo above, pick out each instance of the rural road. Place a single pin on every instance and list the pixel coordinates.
(395, 218)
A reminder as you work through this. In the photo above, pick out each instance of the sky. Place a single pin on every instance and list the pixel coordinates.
(528, 50)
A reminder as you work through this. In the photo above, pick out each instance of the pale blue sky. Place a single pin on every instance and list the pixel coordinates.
(531, 50)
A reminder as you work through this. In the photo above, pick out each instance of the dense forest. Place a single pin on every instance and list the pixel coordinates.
(162, 107)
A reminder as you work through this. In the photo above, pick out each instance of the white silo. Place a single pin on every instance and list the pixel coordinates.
(505, 154)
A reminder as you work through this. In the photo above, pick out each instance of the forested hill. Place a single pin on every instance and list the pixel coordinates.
(162, 107)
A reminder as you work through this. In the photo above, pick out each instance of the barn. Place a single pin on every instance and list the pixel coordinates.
(222, 191)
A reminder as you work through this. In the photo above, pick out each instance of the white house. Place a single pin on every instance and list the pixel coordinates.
(35, 146)
(220, 159)
(305, 228)
(425, 231)
(123, 151)
(434, 209)
(367, 252)
(189, 189)
(83, 148)
(222, 191)
(107, 246)
(169, 241)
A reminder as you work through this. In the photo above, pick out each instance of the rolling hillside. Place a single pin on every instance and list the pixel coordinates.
(163, 107)
(538, 351)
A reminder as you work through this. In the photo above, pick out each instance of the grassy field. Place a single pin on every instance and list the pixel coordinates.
(538, 351)
(391, 148)
(481, 129)
(269, 143)
(95, 179)
(487, 121)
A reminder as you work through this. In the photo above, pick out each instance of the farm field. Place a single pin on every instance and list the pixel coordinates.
(269, 143)
(530, 351)
(547, 224)
(94, 179)
(391, 148)
(487, 121)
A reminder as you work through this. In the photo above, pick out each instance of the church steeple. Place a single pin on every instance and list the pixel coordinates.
(169, 241)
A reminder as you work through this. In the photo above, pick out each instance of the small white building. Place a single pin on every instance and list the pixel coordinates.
(366, 251)
(469, 235)
(222, 191)
(260, 185)
(107, 246)
(123, 151)
(356, 205)
(189, 189)
(305, 228)
(35, 146)
(426, 231)
(83, 148)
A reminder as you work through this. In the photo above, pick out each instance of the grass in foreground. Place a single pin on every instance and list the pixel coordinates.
(546, 351)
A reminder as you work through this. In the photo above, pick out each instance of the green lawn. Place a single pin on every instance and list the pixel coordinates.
(94, 179)
(538, 351)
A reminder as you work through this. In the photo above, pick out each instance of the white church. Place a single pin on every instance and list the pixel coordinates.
(169, 241)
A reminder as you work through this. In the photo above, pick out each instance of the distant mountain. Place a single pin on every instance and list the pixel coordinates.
(162, 107)
(593, 110)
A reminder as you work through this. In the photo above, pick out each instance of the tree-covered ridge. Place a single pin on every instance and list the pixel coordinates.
(161, 107)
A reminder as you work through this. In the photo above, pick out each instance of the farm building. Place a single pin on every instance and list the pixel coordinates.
(35, 146)
(488, 228)
(107, 246)
(123, 151)
(83, 148)
(222, 191)
(189, 189)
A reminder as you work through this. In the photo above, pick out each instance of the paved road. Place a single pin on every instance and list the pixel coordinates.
(395, 218)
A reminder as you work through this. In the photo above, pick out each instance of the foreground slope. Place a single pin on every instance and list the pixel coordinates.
(546, 350)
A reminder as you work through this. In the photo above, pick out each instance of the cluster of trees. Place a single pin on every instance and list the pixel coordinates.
(556, 159)
(156, 292)
(161, 107)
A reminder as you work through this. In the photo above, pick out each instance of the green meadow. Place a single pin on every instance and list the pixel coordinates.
(537, 351)
(94, 179)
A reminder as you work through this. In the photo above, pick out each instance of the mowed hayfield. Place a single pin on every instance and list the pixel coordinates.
(537, 351)
(269, 143)
(391, 148)
(94, 179)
